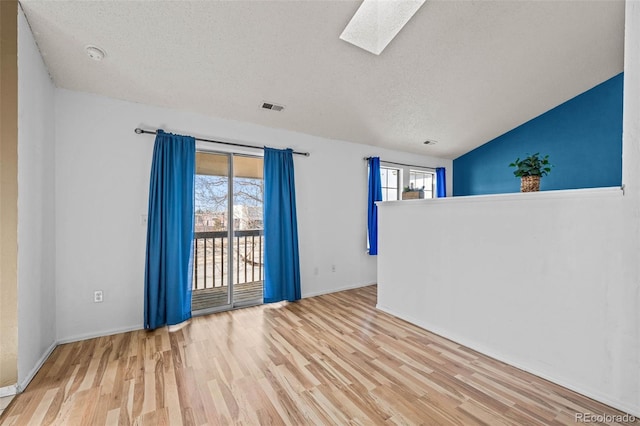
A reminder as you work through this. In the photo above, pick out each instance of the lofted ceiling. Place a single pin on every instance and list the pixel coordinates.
(459, 73)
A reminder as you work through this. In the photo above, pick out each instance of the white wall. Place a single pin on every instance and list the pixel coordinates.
(547, 282)
(102, 178)
(531, 279)
(36, 232)
(628, 290)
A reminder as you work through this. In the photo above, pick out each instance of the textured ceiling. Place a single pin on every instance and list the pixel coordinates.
(460, 72)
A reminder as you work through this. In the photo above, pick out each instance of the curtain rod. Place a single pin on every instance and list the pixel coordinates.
(140, 131)
(401, 164)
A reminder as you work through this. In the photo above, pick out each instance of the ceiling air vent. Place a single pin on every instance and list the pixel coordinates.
(272, 106)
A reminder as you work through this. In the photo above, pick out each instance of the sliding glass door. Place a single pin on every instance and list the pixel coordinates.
(248, 188)
(228, 240)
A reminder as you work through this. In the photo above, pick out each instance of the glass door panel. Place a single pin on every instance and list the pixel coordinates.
(248, 268)
(211, 289)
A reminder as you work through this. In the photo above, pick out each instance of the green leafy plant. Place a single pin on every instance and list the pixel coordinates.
(533, 165)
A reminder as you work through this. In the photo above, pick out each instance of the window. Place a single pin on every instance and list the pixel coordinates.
(394, 179)
(420, 179)
(390, 179)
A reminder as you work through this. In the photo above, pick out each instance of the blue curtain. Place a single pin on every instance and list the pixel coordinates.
(441, 183)
(167, 280)
(281, 261)
(375, 194)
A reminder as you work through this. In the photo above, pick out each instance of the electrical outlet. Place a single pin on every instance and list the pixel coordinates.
(143, 219)
(333, 268)
(315, 271)
(97, 296)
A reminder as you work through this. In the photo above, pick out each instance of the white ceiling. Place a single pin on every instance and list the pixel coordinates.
(460, 72)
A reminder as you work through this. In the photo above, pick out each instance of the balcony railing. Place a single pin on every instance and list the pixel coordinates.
(211, 258)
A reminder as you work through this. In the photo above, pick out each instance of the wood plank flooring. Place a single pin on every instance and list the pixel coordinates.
(326, 360)
(217, 296)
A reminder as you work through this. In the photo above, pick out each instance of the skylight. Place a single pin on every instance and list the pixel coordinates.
(377, 22)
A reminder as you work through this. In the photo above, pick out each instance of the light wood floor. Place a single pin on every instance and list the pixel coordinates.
(327, 360)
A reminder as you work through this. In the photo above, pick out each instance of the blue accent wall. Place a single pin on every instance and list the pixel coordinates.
(583, 138)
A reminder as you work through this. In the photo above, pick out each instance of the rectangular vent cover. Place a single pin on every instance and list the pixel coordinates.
(272, 106)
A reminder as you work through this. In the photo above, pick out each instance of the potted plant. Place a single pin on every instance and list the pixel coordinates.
(411, 193)
(530, 170)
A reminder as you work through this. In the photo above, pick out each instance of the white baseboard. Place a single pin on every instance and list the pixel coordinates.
(80, 337)
(23, 384)
(335, 290)
(476, 346)
(8, 391)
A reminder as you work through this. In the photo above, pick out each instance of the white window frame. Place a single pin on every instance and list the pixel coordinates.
(405, 174)
(400, 174)
(432, 190)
